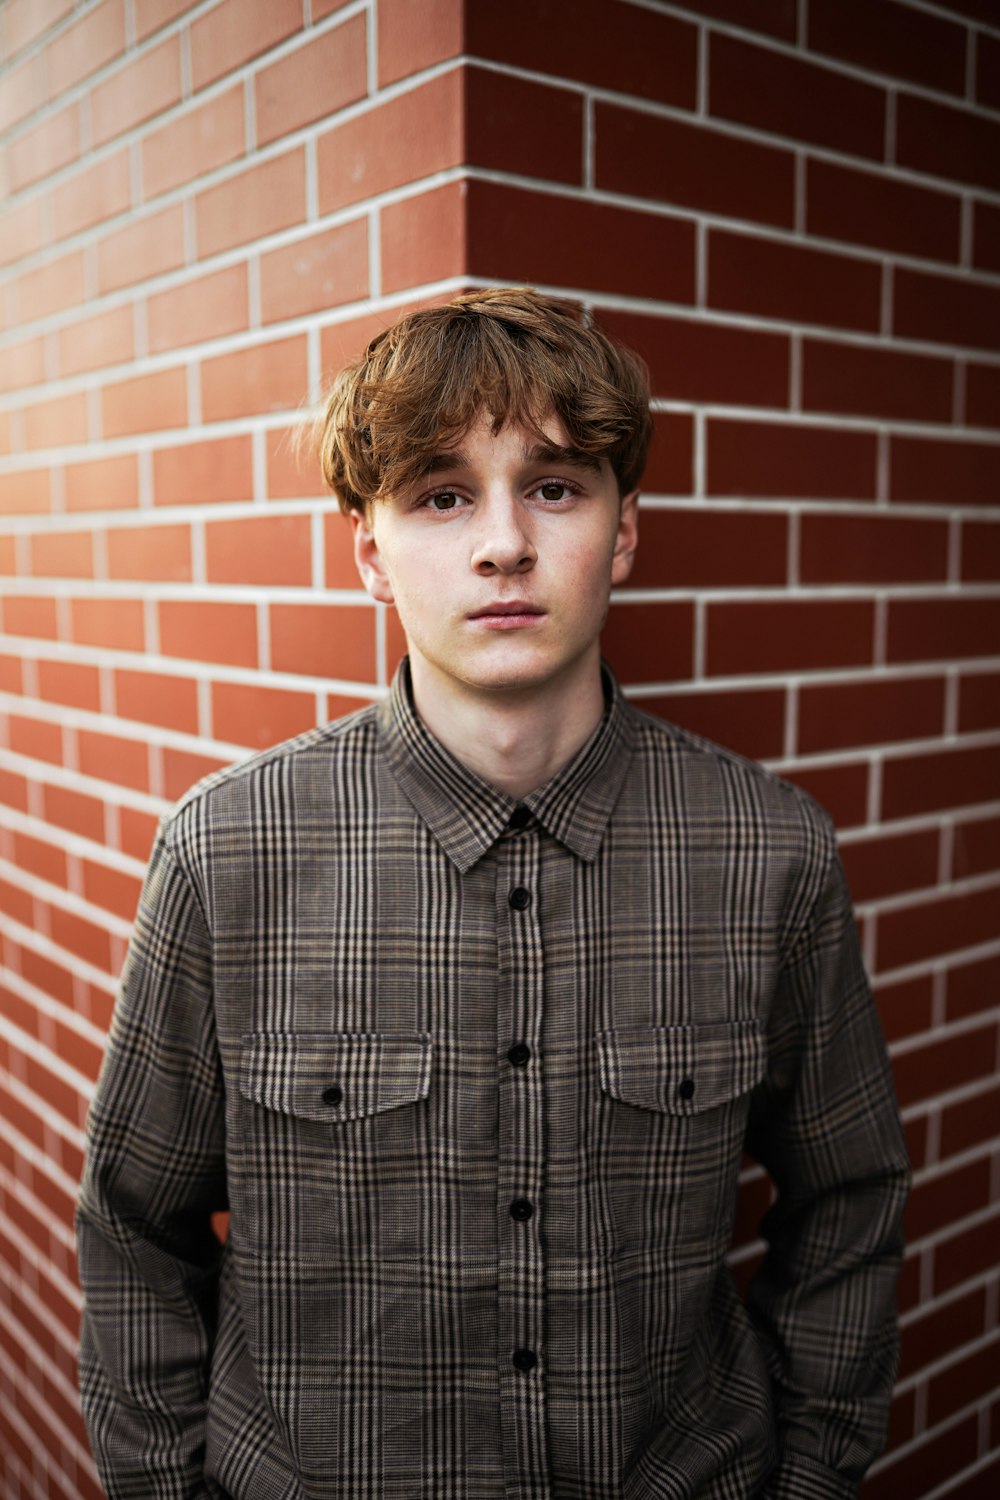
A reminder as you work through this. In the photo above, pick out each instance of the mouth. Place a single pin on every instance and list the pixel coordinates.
(508, 613)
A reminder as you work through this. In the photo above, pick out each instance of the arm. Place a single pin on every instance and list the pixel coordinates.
(155, 1172)
(825, 1125)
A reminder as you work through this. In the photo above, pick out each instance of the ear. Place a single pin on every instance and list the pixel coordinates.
(368, 559)
(626, 539)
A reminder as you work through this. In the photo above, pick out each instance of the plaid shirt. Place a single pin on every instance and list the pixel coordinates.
(475, 1080)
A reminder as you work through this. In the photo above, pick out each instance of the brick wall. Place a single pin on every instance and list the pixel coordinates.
(793, 211)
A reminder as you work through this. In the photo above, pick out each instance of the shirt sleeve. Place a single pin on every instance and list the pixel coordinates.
(825, 1124)
(154, 1174)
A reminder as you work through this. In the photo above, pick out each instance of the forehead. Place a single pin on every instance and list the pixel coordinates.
(513, 444)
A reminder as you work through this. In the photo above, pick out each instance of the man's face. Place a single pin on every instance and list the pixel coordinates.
(501, 559)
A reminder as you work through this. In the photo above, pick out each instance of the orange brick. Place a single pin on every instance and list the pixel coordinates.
(111, 758)
(202, 309)
(160, 552)
(23, 87)
(14, 792)
(52, 287)
(399, 142)
(411, 38)
(74, 811)
(145, 87)
(338, 705)
(343, 342)
(324, 640)
(24, 20)
(36, 738)
(209, 632)
(259, 716)
(290, 474)
(116, 623)
(90, 43)
(104, 339)
(52, 424)
(203, 138)
(341, 572)
(103, 484)
(265, 377)
(115, 890)
(44, 148)
(315, 273)
(91, 195)
(257, 202)
(11, 676)
(314, 81)
(140, 249)
(30, 615)
(8, 554)
(150, 15)
(181, 770)
(23, 229)
(236, 31)
(39, 858)
(137, 831)
(194, 473)
(275, 550)
(155, 698)
(62, 554)
(69, 682)
(146, 403)
(22, 365)
(25, 492)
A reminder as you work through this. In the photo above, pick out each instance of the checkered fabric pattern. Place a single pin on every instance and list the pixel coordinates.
(475, 1081)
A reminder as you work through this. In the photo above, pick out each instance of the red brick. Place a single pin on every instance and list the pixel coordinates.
(259, 716)
(314, 81)
(39, 858)
(324, 640)
(53, 423)
(966, 1254)
(978, 701)
(987, 70)
(887, 866)
(983, 1482)
(528, 236)
(201, 139)
(52, 287)
(103, 484)
(44, 148)
(90, 43)
(884, 37)
(145, 403)
(151, 15)
(615, 46)
(905, 1008)
(155, 698)
(112, 758)
(263, 378)
(932, 780)
(982, 395)
(691, 360)
(942, 472)
(976, 847)
(202, 309)
(146, 86)
(647, 156)
(834, 716)
(854, 379)
(35, 738)
(25, 20)
(74, 811)
(62, 554)
(962, 1384)
(73, 683)
(773, 279)
(236, 31)
(986, 237)
(902, 1420)
(769, 459)
(114, 623)
(935, 927)
(514, 125)
(710, 548)
(945, 309)
(942, 1200)
(941, 1329)
(981, 552)
(650, 642)
(945, 1062)
(256, 202)
(872, 549)
(115, 890)
(751, 723)
(315, 273)
(209, 632)
(670, 466)
(788, 635)
(971, 1122)
(411, 39)
(150, 552)
(790, 97)
(776, 18)
(942, 628)
(204, 472)
(182, 769)
(24, 492)
(424, 238)
(273, 550)
(962, 144)
(30, 615)
(137, 831)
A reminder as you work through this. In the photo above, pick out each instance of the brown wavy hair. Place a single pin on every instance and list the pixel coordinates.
(511, 352)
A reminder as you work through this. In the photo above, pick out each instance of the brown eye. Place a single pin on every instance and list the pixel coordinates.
(444, 501)
(553, 491)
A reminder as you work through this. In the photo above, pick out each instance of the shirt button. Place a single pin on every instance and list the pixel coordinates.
(519, 1055)
(686, 1088)
(521, 1209)
(333, 1095)
(519, 898)
(524, 1359)
(520, 817)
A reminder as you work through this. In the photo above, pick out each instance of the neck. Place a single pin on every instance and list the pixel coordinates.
(515, 738)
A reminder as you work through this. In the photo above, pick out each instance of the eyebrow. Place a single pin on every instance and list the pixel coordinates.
(541, 453)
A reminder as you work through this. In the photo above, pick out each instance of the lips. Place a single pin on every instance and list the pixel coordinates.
(506, 607)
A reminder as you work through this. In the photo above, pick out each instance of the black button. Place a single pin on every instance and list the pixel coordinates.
(519, 1054)
(524, 1359)
(521, 1209)
(520, 817)
(686, 1088)
(333, 1095)
(519, 898)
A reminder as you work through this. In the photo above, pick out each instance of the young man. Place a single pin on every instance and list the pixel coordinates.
(467, 1007)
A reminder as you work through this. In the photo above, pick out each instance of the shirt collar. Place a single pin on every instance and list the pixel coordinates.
(467, 814)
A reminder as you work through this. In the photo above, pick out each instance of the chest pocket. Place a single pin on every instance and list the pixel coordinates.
(330, 1142)
(675, 1105)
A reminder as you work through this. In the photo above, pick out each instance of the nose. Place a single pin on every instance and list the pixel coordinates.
(503, 543)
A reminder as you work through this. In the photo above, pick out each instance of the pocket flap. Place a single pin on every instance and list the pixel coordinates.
(335, 1077)
(681, 1070)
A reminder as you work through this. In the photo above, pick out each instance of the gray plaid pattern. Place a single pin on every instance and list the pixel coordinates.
(477, 1096)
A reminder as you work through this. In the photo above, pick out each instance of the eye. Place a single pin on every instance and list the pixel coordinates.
(443, 500)
(553, 490)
